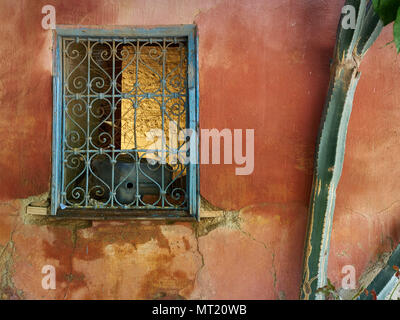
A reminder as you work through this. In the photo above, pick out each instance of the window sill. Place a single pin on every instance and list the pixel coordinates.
(112, 214)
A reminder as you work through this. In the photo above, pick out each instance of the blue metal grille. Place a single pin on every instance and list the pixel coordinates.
(124, 101)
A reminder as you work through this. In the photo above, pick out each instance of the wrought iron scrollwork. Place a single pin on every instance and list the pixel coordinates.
(116, 91)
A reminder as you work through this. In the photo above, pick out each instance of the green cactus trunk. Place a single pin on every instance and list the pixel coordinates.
(351, 45)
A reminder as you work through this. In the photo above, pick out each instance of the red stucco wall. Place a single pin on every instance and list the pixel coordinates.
(264, 65)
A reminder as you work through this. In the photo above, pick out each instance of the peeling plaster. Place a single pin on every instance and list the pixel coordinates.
(7, 288)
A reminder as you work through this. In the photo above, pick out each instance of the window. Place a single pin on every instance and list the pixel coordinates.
(125, 104)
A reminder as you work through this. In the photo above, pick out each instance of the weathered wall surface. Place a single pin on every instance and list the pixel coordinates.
(264, 65)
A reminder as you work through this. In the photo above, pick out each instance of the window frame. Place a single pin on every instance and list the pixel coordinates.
(189, 31)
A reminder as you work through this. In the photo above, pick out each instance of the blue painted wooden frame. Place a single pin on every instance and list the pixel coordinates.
(189, 31)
